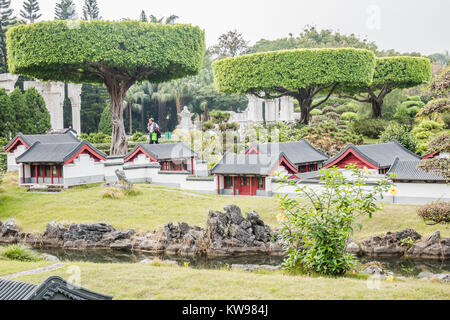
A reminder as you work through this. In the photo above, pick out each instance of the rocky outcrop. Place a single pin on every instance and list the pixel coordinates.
(431, 247)
(388, 245)
(227, 233)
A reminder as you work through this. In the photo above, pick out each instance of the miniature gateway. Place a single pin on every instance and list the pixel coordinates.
(54, 288)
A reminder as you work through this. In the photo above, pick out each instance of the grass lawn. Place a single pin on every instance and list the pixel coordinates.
(159, 205)
(136, 281)
(10, 267)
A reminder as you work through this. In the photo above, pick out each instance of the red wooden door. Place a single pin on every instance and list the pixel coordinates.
(245, 188)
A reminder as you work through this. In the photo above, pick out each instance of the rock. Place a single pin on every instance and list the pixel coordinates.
(352, 248)
(241, 235)
(117, 235)
(235, 214)
(388, 245)
(55, 231)
(373, 270)
(49, 257)
(254, 219)
(9, 229)
(262, 233)
(122, 245)
(90, 233)
(424, 275)
(444, 277)
(433, 247)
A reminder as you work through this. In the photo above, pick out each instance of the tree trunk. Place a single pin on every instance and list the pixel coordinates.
(305, 109)
(117, 91)
(377, 108)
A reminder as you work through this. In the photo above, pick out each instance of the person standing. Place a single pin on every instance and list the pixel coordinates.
(154, 131)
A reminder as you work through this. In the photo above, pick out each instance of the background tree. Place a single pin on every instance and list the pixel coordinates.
(30, 11)
(94, 98)
(231, 44)
(65, 10)
(105, 124)
(156, 53)
(304, 74)
(169, 20)
(91, 10)
(392, 73)
(6, 20)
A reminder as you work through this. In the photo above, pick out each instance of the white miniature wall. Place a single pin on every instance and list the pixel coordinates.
(83, 170)
(12, 156)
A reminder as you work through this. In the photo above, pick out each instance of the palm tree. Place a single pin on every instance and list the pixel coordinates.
(134, 94)
(169, 20)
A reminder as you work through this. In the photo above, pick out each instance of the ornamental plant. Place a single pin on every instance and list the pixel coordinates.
(310, 76)
(118, 54)
(316, 232)
(435, 213)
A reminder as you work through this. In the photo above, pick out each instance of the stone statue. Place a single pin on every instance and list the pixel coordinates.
(123, 180)
(186, 120)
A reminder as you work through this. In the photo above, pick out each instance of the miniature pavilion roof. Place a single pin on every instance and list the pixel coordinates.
(165, 151)
(408, 170)
(30, 139)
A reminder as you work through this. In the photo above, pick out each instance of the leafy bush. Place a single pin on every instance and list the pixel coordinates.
(316, 112)
(19, 252)
(371, 128)
(96, 137)
(233, 126)
(349, 116)
(316, 234)
(435, 213)
(400, 133)
(207, 126)
(410, 104)
(139, 137)
(328, 109)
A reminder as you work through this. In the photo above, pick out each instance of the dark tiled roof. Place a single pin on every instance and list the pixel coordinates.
(262, 164)
(298, 152)
(14, 290)
(167, 151)
(382, 155)
(31, 139)
(53, 152)
(408, 170)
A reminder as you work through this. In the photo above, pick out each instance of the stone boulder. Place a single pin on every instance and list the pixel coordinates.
(389, 244)
(9, 229)
(83, 235)
(432, 247)
(55, 231)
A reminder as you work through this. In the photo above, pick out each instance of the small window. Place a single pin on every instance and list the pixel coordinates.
(228, 182)
(40, 171)
(47, 171)
(33, 171)
(261, 183)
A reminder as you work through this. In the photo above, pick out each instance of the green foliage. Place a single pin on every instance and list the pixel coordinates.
(219, 117)
(349, 116)
(65, 10)
(208, 125)
(105, 124)
(400, 133)
(73, 52)
(401, 72)
(425, 130)
(94, 99)
(316, 112)
(371, 128)
(411, 103)
(96, 138)
(293, 69)
(139, 137)
(30, 11)
(19, 252)
(435, 213)
(316, 233)
(328, 109)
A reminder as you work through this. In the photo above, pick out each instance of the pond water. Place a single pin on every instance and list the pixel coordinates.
(399, 266)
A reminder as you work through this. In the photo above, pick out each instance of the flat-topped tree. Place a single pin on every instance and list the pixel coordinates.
(392, 73)
(117, 54)
(310, 76)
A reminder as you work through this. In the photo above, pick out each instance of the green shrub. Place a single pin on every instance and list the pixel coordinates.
(349, 116)
(446, 120)
(410, 104)
(435, 213)
(233, 126)
(19, 252)
(400, 133)
(414, 98)
(316, 234)
(371, 128)
(208, 125)
(328, 109)
(139, 137)
(316, 112)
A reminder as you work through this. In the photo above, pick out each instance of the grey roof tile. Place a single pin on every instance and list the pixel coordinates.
(14, 290)
(298, 152)
(408, 170)
(262, 164)
(31, 139)
(382, 155)
(167, 151)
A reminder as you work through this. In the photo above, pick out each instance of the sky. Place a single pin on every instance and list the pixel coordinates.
(403, 25)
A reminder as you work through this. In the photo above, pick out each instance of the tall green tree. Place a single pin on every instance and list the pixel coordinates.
(94, 98)
(6, 115)
(91, 10)
(105, 124)
(143, 16)
(231, 44)
(65, 10)
(6, 20)
(30, 11)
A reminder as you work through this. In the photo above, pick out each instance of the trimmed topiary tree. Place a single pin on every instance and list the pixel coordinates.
(303, 74)
(117, 54)
(392, 73)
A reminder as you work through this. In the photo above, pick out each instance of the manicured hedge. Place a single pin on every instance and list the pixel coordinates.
(294, 69)
(72, 50)
(401, 72)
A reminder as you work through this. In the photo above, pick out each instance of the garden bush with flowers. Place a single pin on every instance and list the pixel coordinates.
(316, 233)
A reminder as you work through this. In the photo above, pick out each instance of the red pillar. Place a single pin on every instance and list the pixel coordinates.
(218, 184)
(23, 173)
(36, 170)
(192, 165)
(251, 186)
(51, 172)
(234, 186)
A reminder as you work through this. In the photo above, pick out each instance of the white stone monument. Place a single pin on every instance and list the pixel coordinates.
(186, 120)
(8, 81)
